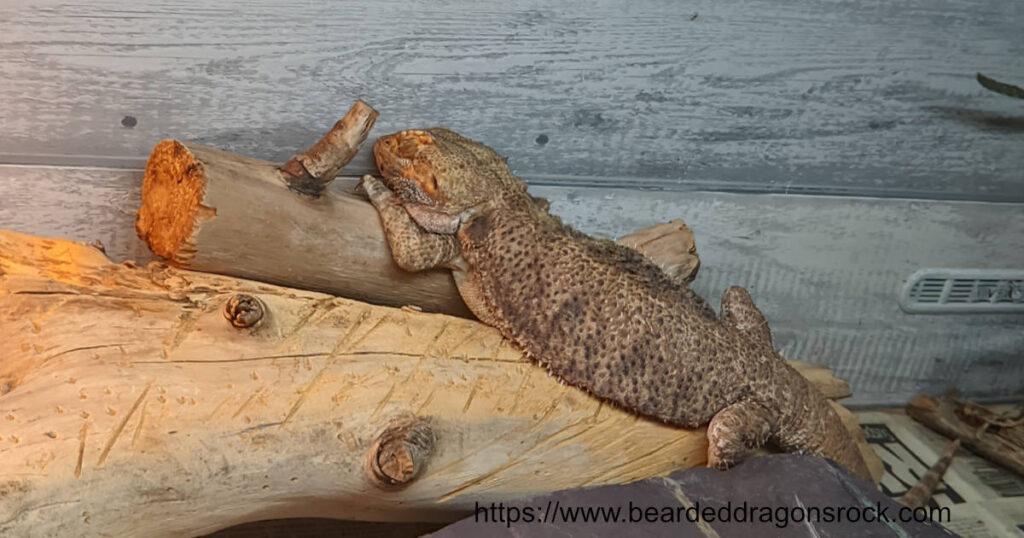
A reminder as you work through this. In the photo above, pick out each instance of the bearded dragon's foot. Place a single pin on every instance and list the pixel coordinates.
(735, 431)
(378, 193)
(412, 247)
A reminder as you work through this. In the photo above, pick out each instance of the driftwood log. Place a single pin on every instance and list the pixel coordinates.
(153, 401)
(209, 210)
(981, 430)
(219, 212)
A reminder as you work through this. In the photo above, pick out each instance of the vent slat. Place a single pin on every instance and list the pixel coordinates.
(935, 291)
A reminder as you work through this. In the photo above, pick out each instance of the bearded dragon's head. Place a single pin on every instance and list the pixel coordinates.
(439, 173)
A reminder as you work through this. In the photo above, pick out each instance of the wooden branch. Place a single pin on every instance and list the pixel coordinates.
(133, 395)
(1001, 445)
(219, 212)
(830, 385)
(311, 172)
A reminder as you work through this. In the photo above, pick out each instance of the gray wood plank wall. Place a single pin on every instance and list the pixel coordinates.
(862, 115)
(866, 97)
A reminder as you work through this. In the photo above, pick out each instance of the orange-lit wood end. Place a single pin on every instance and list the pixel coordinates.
(172, 192)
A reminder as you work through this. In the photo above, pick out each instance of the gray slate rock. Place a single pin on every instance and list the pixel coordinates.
(780, 487)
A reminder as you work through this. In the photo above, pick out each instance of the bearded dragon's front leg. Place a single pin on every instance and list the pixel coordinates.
(412, 247)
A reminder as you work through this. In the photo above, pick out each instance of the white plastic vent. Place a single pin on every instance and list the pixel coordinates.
(961, 291)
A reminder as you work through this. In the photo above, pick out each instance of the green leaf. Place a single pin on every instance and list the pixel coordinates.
(1001, 87)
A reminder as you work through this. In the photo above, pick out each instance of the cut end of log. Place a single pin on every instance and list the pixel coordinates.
(172, 192)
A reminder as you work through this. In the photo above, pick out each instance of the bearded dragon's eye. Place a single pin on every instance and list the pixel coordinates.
(431, 184)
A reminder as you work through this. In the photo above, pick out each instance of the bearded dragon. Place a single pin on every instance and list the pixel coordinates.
(598, 315)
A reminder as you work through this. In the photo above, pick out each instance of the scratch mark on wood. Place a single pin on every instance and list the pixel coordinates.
(218, 408)
(386, 317)
(383, 401)
(257, 427)
(246, 402)
(519, 391)
(497, 349)
(430, 345)
(342, 344)
(467, 338)
(415, 370)
(323, 306)
(632, 462)
(81, 449)
(451, 494)
(555, 400)
(589, 426)
(408, 329)
(472, 393)
(430, 398)
(120, 427)
(138, 427)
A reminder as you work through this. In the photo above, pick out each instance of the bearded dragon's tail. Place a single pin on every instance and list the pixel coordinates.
(923, 490)
(808, 423)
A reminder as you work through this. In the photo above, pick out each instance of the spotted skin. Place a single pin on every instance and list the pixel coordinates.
(598, 315)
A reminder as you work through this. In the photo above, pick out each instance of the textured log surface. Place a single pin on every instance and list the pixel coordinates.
(131, 405)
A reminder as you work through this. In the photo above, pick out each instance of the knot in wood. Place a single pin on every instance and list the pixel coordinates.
(399, 454)
(244, 311)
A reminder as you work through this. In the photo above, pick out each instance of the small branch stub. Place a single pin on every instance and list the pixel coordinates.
(311, 172)
(244, 311)
(400, 453)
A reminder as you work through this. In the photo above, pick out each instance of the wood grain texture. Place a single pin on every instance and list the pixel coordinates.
(132, 407)
(825, 270)
(863, 97)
